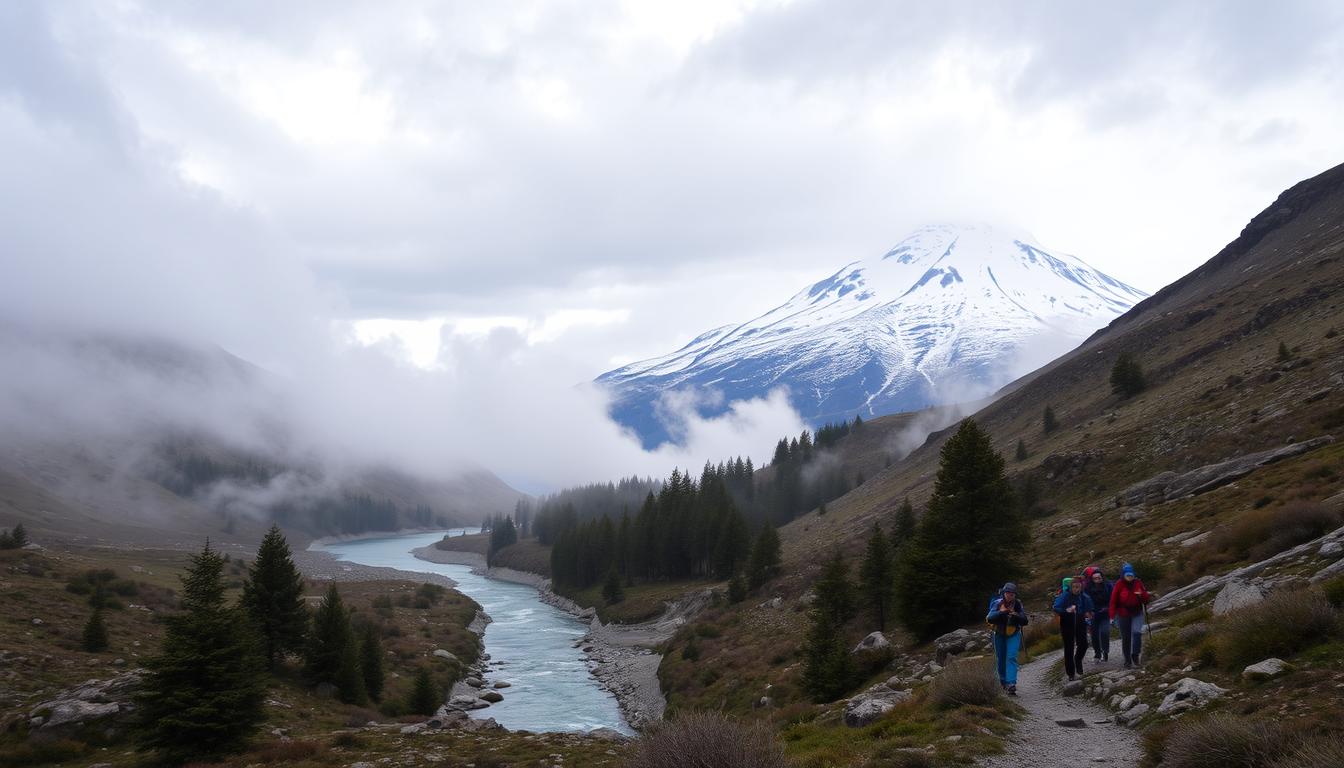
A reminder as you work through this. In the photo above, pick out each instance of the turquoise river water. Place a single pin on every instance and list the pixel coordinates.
(531, 644)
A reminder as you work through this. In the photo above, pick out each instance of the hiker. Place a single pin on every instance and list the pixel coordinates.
(1099, 589)
(1006, 618)
(1128, 598)
(1074, 609)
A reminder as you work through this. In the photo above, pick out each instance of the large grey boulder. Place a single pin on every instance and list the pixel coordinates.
(952, 643)
(1236, 595)
(104, 701)
(1132, 715)
(873, 704)
(1189, 693)
(1169, 486)
(1264, 670)
(875, 641)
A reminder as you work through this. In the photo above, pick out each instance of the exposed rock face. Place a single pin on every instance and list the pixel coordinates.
(94, 700)
(872, 704)
(953, 643)
(1189, 693)
(1266, 669)
(1169, 486)
(1236, 595)
(875, 641)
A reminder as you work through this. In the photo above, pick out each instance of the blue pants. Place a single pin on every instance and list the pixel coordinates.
(1131, 636)
(1005, 653)
(1101, 635)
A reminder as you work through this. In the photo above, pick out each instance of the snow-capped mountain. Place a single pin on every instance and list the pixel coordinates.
(949, 314)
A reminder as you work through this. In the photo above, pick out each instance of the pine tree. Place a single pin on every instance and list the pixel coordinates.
(904, 529)
(611, 590)
(828, 670)
(19, 536)
(95, 632)
(877, 577)
(371, 662)
(1021, 454)
(968, 542)
(1127, 377)
(426, 698)
(1048, 422)
(203, 695)
(273, 598)
(765, 559)
(327, 640)
(737, 589)
(349, 677)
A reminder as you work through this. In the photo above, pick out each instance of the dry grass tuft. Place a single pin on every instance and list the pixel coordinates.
(1285, 623)
(965, 683)
(709, 740)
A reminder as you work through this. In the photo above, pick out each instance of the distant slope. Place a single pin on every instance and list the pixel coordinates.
(950, 314)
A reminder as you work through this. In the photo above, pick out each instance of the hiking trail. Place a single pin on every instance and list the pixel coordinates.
(1041, 742)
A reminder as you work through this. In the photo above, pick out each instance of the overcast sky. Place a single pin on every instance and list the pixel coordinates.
(568, 186)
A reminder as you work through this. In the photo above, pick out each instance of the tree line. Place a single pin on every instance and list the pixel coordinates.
(204, 692)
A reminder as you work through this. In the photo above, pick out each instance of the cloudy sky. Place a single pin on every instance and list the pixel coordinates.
(549, 189)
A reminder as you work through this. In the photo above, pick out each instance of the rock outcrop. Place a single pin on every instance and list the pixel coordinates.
(1169, 486)
(872, 704)
(106, 702)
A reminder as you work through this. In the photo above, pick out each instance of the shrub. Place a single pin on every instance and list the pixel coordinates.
(1334, 591)
(1127, 377)
(964, 683)
(708, 740)
(1318, 752)
(1265, 532)
(1151, 571)
(1223, 741)
(349, 740)
(1285, 623)
(286, 751)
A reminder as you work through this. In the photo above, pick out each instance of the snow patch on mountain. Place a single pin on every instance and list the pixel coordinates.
(951, 313)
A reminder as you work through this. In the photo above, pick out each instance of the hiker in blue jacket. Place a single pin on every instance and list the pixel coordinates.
(1099, 589)
(1074, 609)
(1006, 618)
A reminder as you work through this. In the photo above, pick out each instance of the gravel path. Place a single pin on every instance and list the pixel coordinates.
(1041, 742)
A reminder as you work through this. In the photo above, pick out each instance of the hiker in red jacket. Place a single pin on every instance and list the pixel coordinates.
(1127, 601)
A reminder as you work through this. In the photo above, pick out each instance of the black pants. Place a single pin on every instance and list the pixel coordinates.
(1074, 633)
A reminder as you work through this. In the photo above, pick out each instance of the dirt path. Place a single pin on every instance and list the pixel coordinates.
(1041, 742)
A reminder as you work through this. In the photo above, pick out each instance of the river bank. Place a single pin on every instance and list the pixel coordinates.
(621, 657)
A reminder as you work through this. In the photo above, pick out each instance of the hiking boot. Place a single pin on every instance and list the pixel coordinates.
(1012, 690)
(1106, 656)
(1128, 665)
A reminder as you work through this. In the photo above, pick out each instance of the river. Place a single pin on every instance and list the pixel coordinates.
(531, 644)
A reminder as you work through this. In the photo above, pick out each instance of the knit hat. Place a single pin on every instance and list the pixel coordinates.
(1009, 587)
(1127, 570)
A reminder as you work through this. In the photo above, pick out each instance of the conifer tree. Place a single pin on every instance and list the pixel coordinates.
(828, 671)
(877, 577)
(426, 698)
(203, 695)
(95, 632)
(764, 557)
(1048, 422)
(1021, 454)
(371, 662)
(1127, 377)
(273, 598)
(904, 529)
(327, 640)
(349, 677)
(737, 589)
(19, 536)
(611, 590)
(968, 542)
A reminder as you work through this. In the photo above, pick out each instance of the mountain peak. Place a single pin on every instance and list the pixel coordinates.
(951, 312)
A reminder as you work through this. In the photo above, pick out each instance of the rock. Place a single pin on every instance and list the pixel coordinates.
(474, 682)
(1193, 540)
(873, 704)
(1074, 722)
(491, 696)
(1189, 693)
(502, 684)
(361, 765)
(1072, 687)
(414, 728)
(1133, 515)
(488, 724)
(765, 702)
(875, 641)
(586, 613)
(951, 644)
(1169, 486)
(1236, 595)
(1331, 549)
(38, 622)
(1132, 715)
(1265, 670)
(442, 654)
(1128, 702)
(608, 734)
